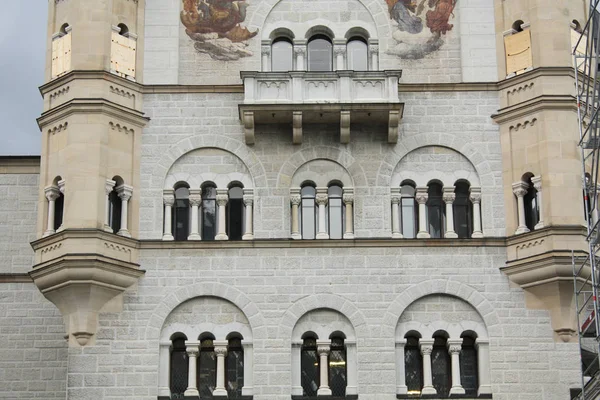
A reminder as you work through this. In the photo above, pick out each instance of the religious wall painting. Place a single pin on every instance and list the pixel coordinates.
(421, 26)
(216, 27)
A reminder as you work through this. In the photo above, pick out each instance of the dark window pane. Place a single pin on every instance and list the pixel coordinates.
(209, 213)
(463, 211)
(115, 211)
(338, 377)
(413, 366)
(336, 212)
(281, 55)
(320, 56)
(207, 369)
(179, 369)
(531, 207)
(357, 51)
(308, 212)
(235, 214)
(440, 367)
(234, 365)
(435, 211)
(181, 214)
(59, 207)
(468, 367)
(309, 368)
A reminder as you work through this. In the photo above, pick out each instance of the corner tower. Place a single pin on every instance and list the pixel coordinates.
(91, 126)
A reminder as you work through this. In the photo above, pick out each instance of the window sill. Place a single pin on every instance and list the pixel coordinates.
(348, 397)
(436, 397)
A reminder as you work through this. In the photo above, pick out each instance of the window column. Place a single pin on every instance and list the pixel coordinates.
(61, 189)
(220, 352)
(248, 388)
(339, 49)
(520, 190)
(265, 52)
(222, 199)
(249, 203)
(421, 196)
(195, 199)
(449, 196)
(475, 197)
(192, 349)
(295, 199)
(483, 364)
(537, 184)
(426, 349)
(168, 201)
(396, 198)
(323, 349)
(124, 192)
(348, 199)
(300, 52)
(296, 368)
(374, 54)
(321, 200)
(351, 368)
(164, 360)
(454, 348)
(401, 387)
(52, 193)
(108, 188)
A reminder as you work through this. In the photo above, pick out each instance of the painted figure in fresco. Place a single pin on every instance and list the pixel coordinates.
(411, 16)
(215, 27)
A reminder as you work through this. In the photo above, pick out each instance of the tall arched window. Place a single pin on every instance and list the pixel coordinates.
(320, 53)
(358, 54)
(309, 367)
(209, 212)
(336, 211)
(59, 210)
(234, 364)
(468, 366)
(338, 370)
(207, 369)
(440, 365)
(114, 205)
(235, 213)
(413, 364)
(435, 210)
(179, 368)
(181, 212)
(408, 210)
(282, 55)
(308, 211)
(462, 210)
(532, 216)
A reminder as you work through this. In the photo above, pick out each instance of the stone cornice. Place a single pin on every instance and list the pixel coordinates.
(83, 234)
(535, 73)
(92, 106)
(544, 102)
(19, 164)
(15, 278)
(174, 89)
(448, 87)
(576, 230)
(78, 75)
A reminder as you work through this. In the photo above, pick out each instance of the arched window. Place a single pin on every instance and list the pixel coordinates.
(309, 367)
(532, 216)
(408, 210)
(282, 55)
(124, 30)
(462, 210)
(435, 210)
(59, 210)
(235, 213)
(413, 364)
(468, 366)
(440, 365)
(207, 369)
(358, 54)
(308, 211)
(181, 213)
(234, 365)
(338, 376)
(336, 211)
(320, 53)
(114, 211)
(209, 212)
(179, 368)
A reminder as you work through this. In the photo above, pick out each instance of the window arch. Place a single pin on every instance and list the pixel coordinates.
(181, 212)
(308, 210)
(413, 363)
(335, 209)
(468, 364)
(235, 212)
(440, 364)
(179, 366)
(408, 210)
(207, 368)
(59, 210)
(357, 51)
(282, 54)
(209, 211)
(115, 205)
(124, 30)
(462, 210)
(234, 372)
(320, 53)
(532, 216)
(309, 366)
(435, 210)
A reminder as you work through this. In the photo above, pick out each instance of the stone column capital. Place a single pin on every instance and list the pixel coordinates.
(109, 186)
(520, 188)
(220, 348)
(448, 197)
(396, 199)
(348, 196)
(537, 182)
(265, 50)
(61, 186)
(192, 348)
(426, 349)
(195, 198)
(295, 199)
(339, 49)
(169, 199)
(321, 197)
(248, 199)
(475, 195)
(454, 347)
(421, 195)
(52, 193)
(323, 349)
(124, 191)
(222, 198)
(299, 49)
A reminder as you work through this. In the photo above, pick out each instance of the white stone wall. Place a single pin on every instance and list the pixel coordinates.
(184, 123)
(467, 54)
(33, 351)
(18, 218)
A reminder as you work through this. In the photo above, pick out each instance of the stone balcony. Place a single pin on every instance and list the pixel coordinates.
(300, 97)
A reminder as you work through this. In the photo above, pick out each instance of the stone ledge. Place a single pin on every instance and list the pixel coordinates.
(19, 164)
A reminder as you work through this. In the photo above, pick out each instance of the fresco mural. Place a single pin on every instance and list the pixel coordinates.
(421, 26)
(215, 27)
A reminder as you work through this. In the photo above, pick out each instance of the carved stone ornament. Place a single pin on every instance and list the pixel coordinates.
(52, 193)
(323, 349)
(421, 198)
(321, 199)
(348, 198)
(248, 199)
(520, 189)
(295, 199)
(300, 50)
(222, 200)
(449, 197)
(475, 197)
(396, 199)
(193, 352)
(168, 199)
(221, 351)
(195, 200)
(454, 349)
(426, 349)
(265, 50)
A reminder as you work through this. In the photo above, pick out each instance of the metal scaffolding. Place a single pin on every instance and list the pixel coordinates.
(586, 268)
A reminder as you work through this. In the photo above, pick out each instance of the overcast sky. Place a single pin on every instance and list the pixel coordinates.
(22, 52)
